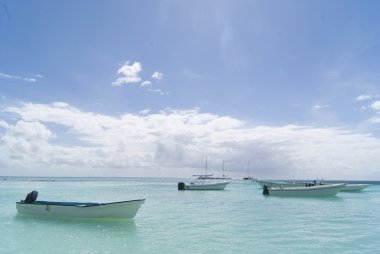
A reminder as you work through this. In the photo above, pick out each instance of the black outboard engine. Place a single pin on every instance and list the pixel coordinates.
(265, 190)
(31, 197)
(181, 186)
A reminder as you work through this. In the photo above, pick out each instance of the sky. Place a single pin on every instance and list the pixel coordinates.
(273, 89)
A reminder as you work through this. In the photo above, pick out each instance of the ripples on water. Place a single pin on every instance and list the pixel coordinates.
(237, 220)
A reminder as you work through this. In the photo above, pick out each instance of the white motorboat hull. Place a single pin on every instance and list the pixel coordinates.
(123, 209)
(279, 184)
(207, 186)
(355, 187)
(312, 191)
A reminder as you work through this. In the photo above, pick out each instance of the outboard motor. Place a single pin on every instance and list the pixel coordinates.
(265, 190)
(181, 186)
(31, 197)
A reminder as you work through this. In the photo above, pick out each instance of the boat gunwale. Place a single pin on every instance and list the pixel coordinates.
(208, 184)
(211, 177)
(84, 205)
(358, 184)
(311, 188)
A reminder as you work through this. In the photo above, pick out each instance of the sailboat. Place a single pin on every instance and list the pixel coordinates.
(206, 182)
(248, 177)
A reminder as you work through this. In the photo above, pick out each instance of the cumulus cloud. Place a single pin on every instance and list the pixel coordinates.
(157, 75)
(174, 143)
(129, 74)
(146, 83)
(14, 77)
(364, 97)
(30, 130)
(376, 105)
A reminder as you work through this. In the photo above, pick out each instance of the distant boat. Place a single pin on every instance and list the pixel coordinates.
(121, 209)
(355, 187)
(262, 183)
(206, 182)
(309, 191)
(248, 177)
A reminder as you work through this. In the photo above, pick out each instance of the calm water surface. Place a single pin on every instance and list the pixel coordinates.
(237, 220)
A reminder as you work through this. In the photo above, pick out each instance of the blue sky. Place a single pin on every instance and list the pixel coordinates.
(149, 88)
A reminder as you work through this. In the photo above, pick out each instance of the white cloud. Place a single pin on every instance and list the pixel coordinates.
(146, 83)
(59, 104)
(364, 97)
(157, 75)
(30, 130)
(374, 120)
(320, 107)
(145, 111)
(27, 79)
(157, 90)
(130, 74)
(174, 143)
(376, 105)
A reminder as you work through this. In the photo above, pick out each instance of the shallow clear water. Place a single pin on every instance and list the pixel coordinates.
(237, 220)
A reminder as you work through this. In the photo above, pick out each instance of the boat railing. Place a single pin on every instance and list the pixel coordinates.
(201, 179)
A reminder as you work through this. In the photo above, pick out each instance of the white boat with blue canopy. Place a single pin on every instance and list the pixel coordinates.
(116, 210)
(310, 190)
(205, 182)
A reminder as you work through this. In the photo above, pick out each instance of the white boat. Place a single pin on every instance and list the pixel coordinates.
(121, 209)
(309, 191)
(205, 182)
(355, 187)
(248, 177)
(279, 183)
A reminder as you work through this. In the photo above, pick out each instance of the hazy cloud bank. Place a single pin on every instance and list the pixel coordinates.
(175, 143)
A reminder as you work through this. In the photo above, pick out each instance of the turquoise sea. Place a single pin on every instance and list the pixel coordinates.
(237, 220)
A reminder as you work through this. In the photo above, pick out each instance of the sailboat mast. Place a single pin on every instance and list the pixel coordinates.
(206, 167)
